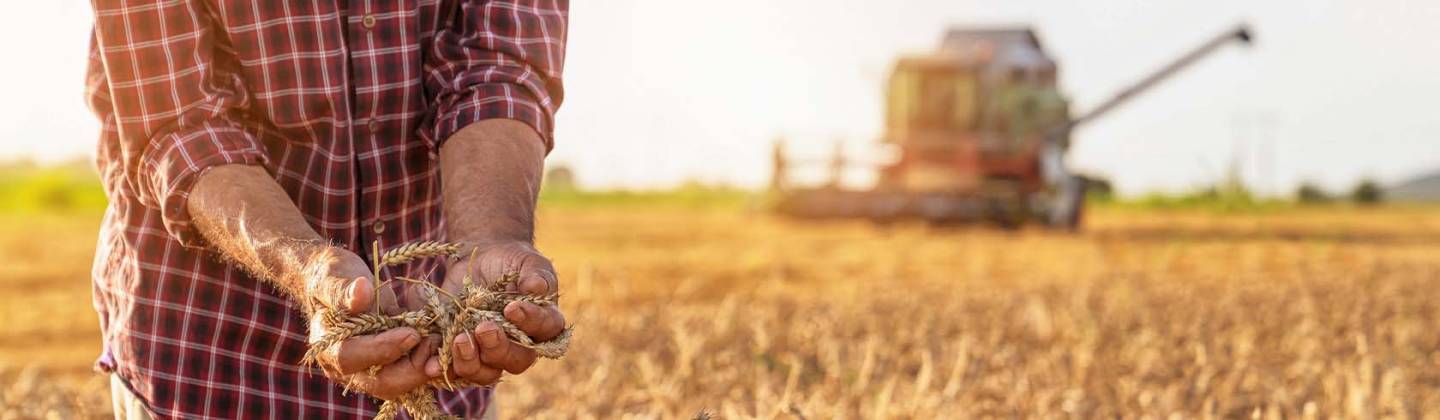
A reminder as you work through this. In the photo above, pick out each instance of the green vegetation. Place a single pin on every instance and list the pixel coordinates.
(1231, 195)
(689, 196)
(1228, 195)
(27, 188)
(1217, 199)
(70, 187)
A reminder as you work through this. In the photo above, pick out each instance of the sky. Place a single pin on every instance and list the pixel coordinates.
(660, 92)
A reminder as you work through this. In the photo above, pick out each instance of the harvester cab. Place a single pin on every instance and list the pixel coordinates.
(980, 129)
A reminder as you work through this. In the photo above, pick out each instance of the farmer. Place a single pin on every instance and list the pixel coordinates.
(255, 152)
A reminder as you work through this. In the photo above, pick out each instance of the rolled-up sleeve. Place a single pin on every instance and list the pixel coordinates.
(497, 59)
(168, 99)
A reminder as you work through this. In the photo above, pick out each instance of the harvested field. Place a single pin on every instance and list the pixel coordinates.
(1292, 313)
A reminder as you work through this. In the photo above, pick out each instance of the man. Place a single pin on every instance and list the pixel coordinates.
(253, 153)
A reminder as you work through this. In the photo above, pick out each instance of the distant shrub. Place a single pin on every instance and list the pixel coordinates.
(1367, 192)
(1309, 193)
(1098, 189)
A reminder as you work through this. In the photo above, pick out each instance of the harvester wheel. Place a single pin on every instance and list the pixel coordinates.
(1076, 217)
(1068, 210)
(1007, 214)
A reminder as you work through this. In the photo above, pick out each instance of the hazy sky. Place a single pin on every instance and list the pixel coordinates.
(660, 91)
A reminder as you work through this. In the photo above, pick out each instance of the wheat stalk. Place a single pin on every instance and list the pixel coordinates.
(455, 314)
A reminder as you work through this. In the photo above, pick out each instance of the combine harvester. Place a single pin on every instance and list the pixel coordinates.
(982, 131)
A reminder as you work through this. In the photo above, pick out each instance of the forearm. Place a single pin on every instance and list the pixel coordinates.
(245, 215)
(490, 179)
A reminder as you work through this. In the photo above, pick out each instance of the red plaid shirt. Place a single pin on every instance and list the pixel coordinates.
(345, 103)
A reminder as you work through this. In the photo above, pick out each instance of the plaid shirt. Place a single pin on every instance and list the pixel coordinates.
(345, 103)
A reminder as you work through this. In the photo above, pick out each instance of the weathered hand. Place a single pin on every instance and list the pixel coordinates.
(481, 355)
(348, 286)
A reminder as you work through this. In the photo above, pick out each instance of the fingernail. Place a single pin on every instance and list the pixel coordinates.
(467, 351)
(411, 340)
(516, 313)
(489, 335)
(432, 368)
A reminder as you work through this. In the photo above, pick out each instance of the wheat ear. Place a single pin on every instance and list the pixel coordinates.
(415, 250)
(342, 328)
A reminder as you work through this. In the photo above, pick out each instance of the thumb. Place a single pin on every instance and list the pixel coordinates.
(359, 296)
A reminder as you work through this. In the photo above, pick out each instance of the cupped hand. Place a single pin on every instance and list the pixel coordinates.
(482, 355)
(349, 287)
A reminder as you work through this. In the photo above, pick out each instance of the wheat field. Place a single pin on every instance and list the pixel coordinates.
(1289, 313)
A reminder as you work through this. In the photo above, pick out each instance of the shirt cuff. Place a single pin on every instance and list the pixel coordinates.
(174, 162)
(490, 101)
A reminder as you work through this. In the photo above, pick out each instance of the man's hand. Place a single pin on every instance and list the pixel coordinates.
(349, 287)
(490, 179)
(481, 355)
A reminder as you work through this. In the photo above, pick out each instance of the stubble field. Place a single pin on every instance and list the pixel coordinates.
(1292, 313)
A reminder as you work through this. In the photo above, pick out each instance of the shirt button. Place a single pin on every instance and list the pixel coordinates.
(374, 126)
(379, 228)
(368, 21)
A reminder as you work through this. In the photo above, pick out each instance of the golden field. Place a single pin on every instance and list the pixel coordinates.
(1287, 313)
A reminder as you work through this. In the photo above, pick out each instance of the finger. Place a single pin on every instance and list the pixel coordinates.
(493, 350)
(471, 369)
(413, 297)
(466, 357)
(359, 295)
(432, 363)
(425, 351)
(539, 283)
(455, 276)
(497, 351)
(537, 322)
(360, 353)
(388, 303)
(392, 381)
